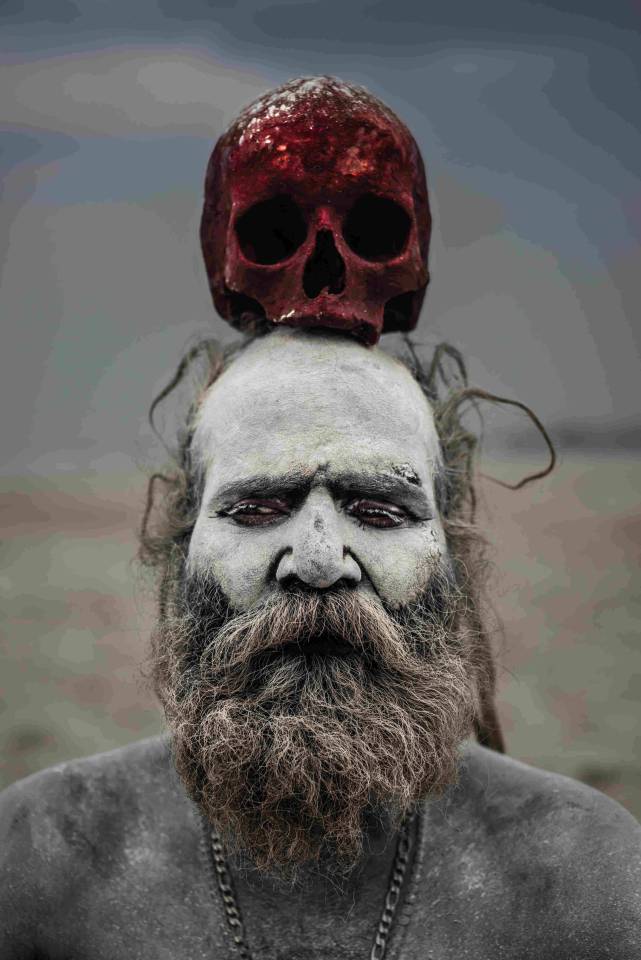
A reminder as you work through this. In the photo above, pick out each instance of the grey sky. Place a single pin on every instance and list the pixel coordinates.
(527, 115)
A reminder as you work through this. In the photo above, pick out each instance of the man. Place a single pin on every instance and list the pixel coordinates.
(321, 662)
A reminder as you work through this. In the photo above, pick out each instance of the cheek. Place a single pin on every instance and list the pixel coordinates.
(400, 563)
(239, 564)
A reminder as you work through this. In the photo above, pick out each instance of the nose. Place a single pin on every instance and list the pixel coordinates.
(325, 268)
(317, 554)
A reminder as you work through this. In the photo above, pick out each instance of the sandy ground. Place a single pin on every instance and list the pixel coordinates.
(76, 617)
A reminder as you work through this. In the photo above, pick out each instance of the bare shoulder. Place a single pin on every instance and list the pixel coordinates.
(564, 856)
(53, 807)
(68, 826)
(55, 812)
(515, 796)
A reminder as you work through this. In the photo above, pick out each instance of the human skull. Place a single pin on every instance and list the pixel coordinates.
(316, 214)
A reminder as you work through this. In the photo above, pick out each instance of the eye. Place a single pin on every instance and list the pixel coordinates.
(376, 228)
(256, 513)
(272, 230)
(376, 513)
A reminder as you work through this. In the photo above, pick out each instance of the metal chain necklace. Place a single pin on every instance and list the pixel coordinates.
(392, 897)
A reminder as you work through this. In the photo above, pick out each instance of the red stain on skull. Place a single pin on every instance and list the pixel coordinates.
(316, 214)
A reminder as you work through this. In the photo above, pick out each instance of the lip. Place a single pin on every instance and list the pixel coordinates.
(319, 646)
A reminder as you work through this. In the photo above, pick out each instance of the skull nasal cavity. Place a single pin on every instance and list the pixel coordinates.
(325, 269)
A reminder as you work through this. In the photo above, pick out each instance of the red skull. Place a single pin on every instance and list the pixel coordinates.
(316, 214)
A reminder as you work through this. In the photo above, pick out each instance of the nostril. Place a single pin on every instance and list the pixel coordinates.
(325, 268)
(294, 584)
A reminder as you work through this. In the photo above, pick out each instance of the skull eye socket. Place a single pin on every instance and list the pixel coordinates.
(271, 231)
(376, 228)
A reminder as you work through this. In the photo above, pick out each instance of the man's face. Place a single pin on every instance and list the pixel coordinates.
(318, 458)
(314, 664)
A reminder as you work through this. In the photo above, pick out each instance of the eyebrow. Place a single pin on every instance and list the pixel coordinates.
(297, 485)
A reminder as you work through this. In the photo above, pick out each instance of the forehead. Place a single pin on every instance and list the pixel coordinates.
(300, 401)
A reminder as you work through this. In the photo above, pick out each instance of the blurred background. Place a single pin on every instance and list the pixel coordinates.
(527, 116)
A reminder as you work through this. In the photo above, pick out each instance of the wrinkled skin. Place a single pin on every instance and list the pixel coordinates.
(316, 214)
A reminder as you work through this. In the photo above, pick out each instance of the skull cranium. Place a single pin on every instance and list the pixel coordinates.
(316, 213)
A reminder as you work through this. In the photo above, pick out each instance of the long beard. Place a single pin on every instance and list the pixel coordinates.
(291, 721)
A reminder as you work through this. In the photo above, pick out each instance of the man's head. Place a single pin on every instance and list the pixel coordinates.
(319, 653)
(317, 460)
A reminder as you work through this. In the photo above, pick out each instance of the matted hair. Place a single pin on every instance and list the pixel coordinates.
(168, 520)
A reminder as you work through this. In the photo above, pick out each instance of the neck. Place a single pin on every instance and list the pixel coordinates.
(324, 912)
(374, 863)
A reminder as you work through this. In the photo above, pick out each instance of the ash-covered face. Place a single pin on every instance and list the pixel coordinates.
(314, 660)
(318, 458)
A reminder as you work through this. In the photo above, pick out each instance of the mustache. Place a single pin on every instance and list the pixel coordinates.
(296, 622)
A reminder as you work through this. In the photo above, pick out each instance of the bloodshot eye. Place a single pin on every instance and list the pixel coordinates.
(272, 230)
(376, 228)
(376, 514)
(256, 513)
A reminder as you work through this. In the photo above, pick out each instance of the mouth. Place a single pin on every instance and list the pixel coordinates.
(319, 647)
